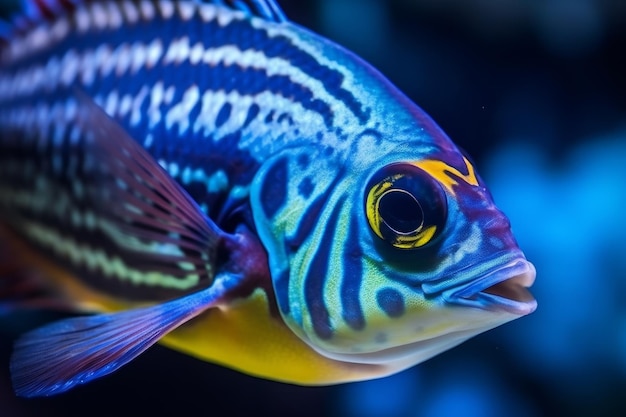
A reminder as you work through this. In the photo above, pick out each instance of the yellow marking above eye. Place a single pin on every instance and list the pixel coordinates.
(447, 174)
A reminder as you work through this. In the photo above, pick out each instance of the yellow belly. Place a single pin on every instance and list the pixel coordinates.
(244, 336)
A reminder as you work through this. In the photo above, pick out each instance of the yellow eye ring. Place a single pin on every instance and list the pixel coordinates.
(405, 206)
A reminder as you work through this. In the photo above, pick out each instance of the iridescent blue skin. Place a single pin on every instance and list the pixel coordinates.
(275, 130)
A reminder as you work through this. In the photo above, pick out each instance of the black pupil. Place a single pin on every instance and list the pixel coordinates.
(400, 211)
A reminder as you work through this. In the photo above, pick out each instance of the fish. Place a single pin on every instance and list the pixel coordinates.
(215, 178)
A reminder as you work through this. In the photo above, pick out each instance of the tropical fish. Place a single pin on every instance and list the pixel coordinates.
(216, 178)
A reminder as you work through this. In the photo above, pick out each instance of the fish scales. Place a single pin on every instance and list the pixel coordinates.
(118, 56)
(232, 169)
(115, 52)
(232, 47)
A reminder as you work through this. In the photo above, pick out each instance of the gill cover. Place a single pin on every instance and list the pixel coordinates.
(298, 203)
(335, 289)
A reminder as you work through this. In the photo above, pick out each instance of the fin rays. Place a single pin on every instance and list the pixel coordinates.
(150, 215)
(56, 357)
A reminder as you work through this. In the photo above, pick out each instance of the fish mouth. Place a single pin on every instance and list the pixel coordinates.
(504, 288)
(492, 297)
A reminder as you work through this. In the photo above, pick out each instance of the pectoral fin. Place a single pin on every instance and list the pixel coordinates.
(146, 211)
(54, 358)
(97, 205)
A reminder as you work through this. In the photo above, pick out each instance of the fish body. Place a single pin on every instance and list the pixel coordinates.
(216, 178)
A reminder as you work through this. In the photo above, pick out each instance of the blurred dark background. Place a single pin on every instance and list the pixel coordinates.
(535, 91)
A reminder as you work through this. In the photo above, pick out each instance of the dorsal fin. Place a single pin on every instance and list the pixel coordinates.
(265, 9)
(31, 8)
(24, 13)
(21, 15)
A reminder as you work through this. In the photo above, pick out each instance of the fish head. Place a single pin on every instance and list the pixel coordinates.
(405, 259)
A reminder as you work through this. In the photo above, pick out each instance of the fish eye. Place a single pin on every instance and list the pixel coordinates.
(405, 206)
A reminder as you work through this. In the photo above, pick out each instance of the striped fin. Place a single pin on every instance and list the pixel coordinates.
(61, 355)
(103, 208)
(22, 287)
(153, 206)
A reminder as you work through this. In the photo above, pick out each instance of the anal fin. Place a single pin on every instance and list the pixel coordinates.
(54, 358)
(98, 205)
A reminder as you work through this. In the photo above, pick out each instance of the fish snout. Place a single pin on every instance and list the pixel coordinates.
(503, 288)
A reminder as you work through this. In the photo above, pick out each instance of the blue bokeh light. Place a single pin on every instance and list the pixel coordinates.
(567, 215)
(391, 396)
(472, 391)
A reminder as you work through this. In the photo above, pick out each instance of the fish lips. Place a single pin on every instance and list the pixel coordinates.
(502, 289)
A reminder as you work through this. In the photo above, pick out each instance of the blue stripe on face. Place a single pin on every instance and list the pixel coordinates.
(314, 283)
(274, 191)
(281, 286)
(308, 221)
(351, 283)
